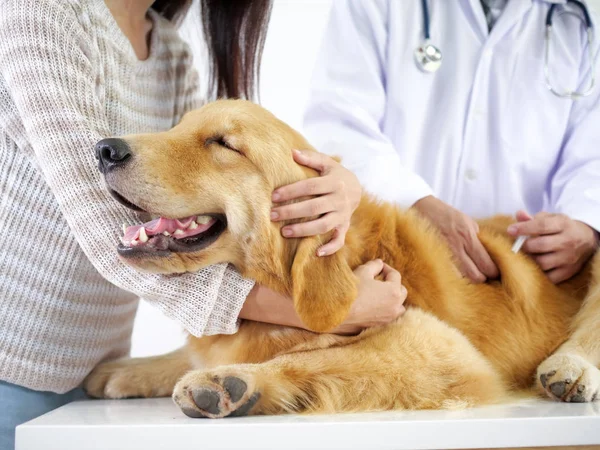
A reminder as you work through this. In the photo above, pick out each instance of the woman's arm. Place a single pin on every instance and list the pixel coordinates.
(51, 68)
(266, 305)
(378, 302)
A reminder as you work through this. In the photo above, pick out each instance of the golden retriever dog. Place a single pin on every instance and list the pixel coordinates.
(210, 180)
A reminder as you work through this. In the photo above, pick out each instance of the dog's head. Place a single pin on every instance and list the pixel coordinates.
(209, 182)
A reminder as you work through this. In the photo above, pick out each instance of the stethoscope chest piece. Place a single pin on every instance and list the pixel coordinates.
(428, 57)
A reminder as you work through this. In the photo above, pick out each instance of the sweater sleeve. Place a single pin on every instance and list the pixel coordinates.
(49, 64)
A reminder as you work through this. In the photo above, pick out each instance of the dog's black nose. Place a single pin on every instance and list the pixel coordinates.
(111, 153)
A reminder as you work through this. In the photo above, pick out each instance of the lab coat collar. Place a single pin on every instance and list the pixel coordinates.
(513, 12)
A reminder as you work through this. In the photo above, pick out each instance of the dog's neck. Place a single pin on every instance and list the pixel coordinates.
(270, 266)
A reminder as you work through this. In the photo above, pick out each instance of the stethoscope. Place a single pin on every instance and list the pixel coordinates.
(429, 57)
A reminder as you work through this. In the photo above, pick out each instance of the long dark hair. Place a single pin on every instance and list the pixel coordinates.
(235, 32)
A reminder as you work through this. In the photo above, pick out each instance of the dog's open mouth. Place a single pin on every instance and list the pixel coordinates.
(162, 236)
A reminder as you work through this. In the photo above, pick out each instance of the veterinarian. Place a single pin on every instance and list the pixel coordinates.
(72, 73)
(444, 106)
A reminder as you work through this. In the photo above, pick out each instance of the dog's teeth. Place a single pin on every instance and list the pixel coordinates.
(166, 233)
(193, 225)
(179, 233)
(124, 228)
(134, 242)
(203, 220)
(143, 235)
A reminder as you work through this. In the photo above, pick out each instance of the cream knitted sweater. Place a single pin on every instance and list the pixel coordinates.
(68, 78)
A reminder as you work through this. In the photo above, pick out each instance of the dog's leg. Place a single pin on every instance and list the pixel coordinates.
(138, 377)
(571, 374)
(418, 364)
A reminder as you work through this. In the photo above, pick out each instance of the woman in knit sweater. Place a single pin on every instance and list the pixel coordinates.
(72, 73)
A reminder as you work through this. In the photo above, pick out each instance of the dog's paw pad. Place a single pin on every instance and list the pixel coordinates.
(191, 412)
(559, 388)
(207, 400)
(246, 407)
(569, 378)
(235, 387)
(545, 377)
(203, 394)
(578, 396)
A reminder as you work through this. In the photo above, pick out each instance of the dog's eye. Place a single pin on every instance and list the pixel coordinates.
(220, 141)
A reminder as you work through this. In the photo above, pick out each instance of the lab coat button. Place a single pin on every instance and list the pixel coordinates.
(471, 174)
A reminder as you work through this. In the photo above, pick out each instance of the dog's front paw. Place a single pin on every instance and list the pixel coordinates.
(216, 394)
(120, 379)
(569, 378)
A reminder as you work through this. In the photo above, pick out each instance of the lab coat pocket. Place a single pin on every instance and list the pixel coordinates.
(534, 120)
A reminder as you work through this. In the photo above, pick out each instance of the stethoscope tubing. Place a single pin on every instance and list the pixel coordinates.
(573, 95)
(425, 19)
(581, 5)
(422, 60)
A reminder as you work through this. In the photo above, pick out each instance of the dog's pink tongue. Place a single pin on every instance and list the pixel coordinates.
(178, 228)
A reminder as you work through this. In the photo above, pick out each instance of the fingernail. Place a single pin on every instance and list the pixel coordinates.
(512, 229)
(321, 252)
(298, 152)
(287, 232)
(274, 215)
(276, 196)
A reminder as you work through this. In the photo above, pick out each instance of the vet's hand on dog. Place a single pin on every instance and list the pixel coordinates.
(338, 192)
(559, 244)
(460, 231)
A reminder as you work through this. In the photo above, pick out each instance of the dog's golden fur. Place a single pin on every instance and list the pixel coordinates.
(458, 344)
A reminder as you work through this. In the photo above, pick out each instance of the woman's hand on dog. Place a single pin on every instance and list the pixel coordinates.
(559, 244)
(460, 231)
(378, 302)
(336, 195)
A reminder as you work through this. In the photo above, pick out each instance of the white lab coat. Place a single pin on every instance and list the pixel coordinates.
(483, 133)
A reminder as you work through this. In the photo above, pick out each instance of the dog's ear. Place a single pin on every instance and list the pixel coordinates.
(323, 288)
